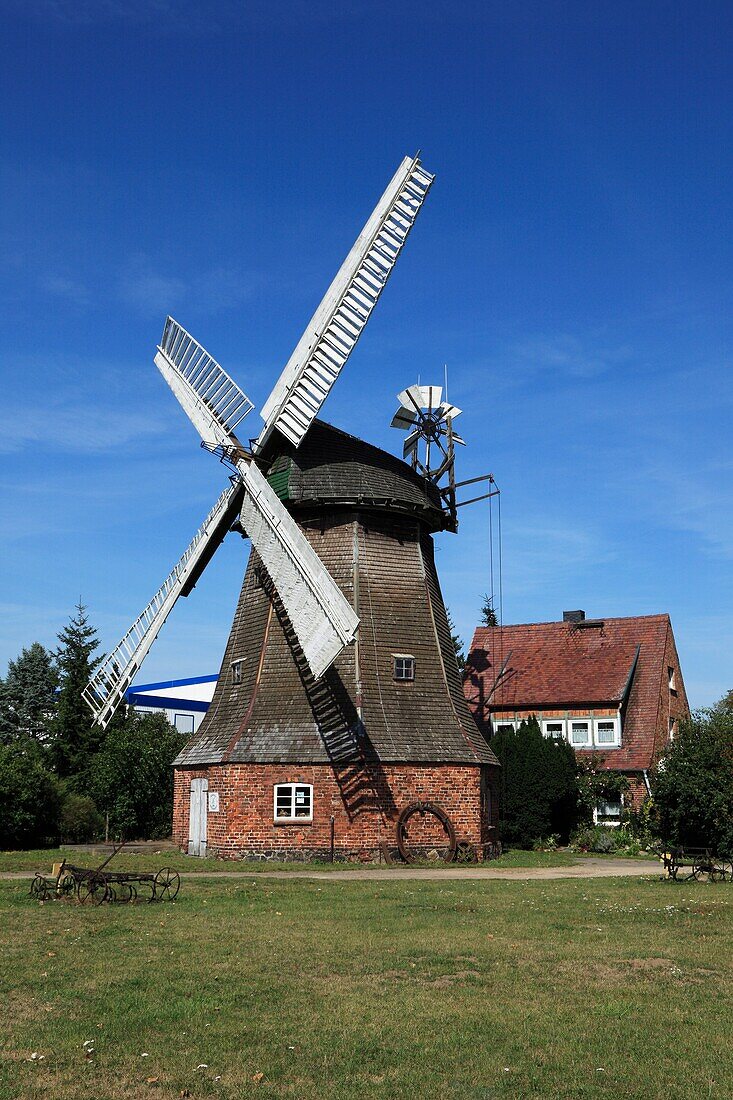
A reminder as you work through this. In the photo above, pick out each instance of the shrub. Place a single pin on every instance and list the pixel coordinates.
(81, 821)
(692, 785)
(539, 789)
(30, 798)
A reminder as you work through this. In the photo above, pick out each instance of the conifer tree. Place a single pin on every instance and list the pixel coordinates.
(488, 615)
(457, 643)
(28, 696)
(77, 737)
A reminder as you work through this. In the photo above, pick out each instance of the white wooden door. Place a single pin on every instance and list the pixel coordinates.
(197, 817)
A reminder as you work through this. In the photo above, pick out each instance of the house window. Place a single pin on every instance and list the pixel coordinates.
(404, 666)
(579, 733)
(237, 670)
(502, 725)
(183, 722)
(672, 680)
(293, 802)
(607, 732)
(608, 812)
(672, 728)
(553, 728)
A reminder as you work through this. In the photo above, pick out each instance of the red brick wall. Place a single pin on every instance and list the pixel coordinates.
(365, 803)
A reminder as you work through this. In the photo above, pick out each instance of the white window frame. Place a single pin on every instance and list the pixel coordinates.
(672, 727)
(672, 678)
(183, 714)
(408, 665)
(292, 817)
(546, 722)
(581, 744)
(236, 667)
(614, 718)
(498, 723)
(611, 820)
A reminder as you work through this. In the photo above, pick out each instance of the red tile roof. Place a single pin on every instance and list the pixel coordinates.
(568, 665)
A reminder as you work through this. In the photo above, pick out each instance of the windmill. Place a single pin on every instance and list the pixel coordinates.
(318, 670)
(323, 620)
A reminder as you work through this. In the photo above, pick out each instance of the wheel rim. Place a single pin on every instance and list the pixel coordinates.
(93, 891)
(167, 884)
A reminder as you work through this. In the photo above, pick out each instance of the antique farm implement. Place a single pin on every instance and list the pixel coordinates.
(95, 885)
(683, 864)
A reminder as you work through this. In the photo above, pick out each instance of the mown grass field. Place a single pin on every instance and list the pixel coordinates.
(298, 988)
(42, 859)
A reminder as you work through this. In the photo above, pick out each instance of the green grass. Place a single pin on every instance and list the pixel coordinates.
(43, 859)
(473, 989)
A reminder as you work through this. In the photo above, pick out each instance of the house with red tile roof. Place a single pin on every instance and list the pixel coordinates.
(612, 687)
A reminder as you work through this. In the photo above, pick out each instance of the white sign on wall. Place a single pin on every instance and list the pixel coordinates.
(213, 802)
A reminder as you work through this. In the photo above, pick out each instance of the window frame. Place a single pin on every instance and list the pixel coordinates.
(498, 723)
(672, 679)
(236, 667)
(408, 661)
(609, 820)
(562, 722)
(184, 714)
(292, 819)
(616, 732)
(588, 722)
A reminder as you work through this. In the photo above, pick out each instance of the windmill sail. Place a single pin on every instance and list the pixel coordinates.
(320, 614)
(339, 321)
(213, 402)
(107, 688)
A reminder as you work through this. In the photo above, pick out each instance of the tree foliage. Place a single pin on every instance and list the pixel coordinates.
(488, 614)
(28, 696)
(131, 778)
(539, 785)
(457, 642)
(692, 786)
(76, 736)
(30, 800)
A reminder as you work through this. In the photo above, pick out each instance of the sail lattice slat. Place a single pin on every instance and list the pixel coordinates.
(339, 321)
(107, 687)
(212, 400)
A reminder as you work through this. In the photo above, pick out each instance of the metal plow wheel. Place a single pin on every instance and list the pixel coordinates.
(167, 884)
(93, 890)
(40, 889)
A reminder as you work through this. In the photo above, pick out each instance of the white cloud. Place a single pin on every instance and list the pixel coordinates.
(155, 292)
(79, 427)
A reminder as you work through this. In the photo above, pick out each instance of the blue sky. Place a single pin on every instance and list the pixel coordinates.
(572, 265)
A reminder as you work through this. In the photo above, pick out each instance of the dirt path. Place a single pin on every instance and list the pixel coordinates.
(581, 868)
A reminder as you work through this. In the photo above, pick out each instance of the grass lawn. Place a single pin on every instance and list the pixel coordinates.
(43, 859)
(308, 989)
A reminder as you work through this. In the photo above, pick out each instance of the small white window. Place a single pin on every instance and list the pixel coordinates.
(607, 732)
(183, 723)
(579, 732)
(404, 666)
(501, 725)
(237, 670)
(609, 812)
(672, 680)
(672, 728)
(553, 728)
(293, 802)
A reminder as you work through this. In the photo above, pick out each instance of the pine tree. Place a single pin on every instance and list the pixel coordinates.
(457, 643)
(77, 737)
(28, 696)
(488, 615)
